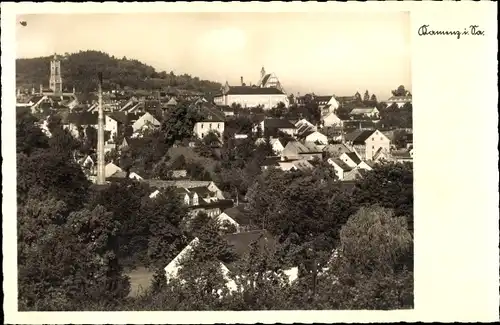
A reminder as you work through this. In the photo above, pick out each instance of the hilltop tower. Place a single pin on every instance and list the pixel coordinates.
(55, 81)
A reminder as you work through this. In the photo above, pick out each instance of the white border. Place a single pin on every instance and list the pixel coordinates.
(456, 176)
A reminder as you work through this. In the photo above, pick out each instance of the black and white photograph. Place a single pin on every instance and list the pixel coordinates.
(215, 161)
(255, 166)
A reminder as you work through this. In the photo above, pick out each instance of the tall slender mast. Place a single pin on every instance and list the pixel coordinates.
(101, 177)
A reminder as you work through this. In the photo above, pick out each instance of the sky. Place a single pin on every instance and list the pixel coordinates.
(325, 53)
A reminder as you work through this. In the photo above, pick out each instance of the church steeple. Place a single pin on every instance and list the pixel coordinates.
(55, 80)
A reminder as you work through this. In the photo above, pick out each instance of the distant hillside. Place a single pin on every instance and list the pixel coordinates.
(80, 70)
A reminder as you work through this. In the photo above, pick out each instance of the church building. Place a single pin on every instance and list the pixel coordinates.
(55, 81)
(268, 93)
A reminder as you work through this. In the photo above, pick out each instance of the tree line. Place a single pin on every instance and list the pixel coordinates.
(80, 69)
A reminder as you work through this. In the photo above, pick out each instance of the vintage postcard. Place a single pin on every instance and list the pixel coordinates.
(249, 162)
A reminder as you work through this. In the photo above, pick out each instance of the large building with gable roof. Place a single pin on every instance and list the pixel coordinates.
(268, 93)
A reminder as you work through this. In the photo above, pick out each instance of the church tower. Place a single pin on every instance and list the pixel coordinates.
(55, 81)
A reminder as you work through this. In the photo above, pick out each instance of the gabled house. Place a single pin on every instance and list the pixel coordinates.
(114, 122)
(161, 184)
(329, 102)
(300, 164)
(212, 209)
(187, 197)
(402, 155)
(336, 150)
(302, 123)
(74, 121)
(351, 159)
(172, 102)
(382, 155)
(365, 112)
(270, 162)
(305, 128)
(330, 119)
(400, 101)
(227, 110)
(251, 96)
(341, 168)
(184, 195)
(119, 175)
(314, 137)
(272, 126)
(241, 244)
(366, 143)
(236, 216)
(348, 165)
(212, 120)
(147, 120)
(111, 169)
(275, 144)
(297, 150)
(205, 194)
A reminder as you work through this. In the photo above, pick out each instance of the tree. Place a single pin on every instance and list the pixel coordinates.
(391, 186)
(29, 136)
(395, 117)
(401, 91)
(63, 143)
(165, 213)
(125, 201)
(178, 123)
(373, 98)
(46, 173)
(366, 96)
(278, 111)
(373, 267)
(197, 172)
(212, 138)
(67, 260)
(357, 97)
(298, 204)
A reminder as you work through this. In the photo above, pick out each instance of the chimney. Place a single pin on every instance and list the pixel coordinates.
(242, 83)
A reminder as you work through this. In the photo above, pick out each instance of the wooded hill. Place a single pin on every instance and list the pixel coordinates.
(80, 70)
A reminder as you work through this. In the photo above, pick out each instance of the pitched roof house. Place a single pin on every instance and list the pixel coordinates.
(315, 137)
(236, 216)
(297, 150)
(335, 150)
(147, 120)
(272, 126)
(264, 96)
(363, 111)
(330, 119)
(241, 244)
(400, 101)
(366, 143)
(211, 120)
(186, 184)
(275, 144)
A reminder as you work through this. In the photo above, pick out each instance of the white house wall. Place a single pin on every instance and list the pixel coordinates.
(266, 101)
(201, 129)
